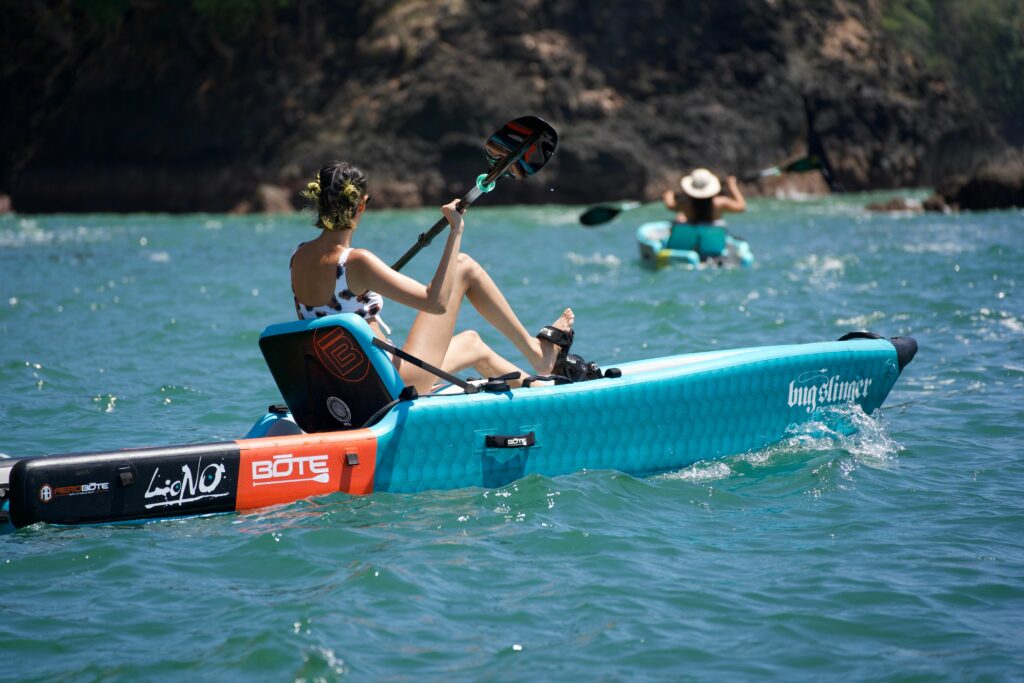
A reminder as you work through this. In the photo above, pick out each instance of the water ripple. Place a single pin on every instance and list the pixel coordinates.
(862, 547)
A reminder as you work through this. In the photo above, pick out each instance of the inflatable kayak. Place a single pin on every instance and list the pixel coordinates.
(664, 242)
(349, 426)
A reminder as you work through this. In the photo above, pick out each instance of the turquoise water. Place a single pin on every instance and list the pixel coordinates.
(893, 554)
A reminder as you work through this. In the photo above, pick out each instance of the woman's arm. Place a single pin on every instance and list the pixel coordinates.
(367, 271)
(670, 200)
(736, 203)
(672, 204)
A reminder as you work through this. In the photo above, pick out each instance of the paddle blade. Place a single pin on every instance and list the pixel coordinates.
(596, 215)
(511, 137)
(811, 163)
(808, 163)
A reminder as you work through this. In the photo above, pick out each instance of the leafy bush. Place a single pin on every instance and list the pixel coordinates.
(979, 43)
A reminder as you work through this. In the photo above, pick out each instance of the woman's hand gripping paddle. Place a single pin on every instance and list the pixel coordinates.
(521, 148)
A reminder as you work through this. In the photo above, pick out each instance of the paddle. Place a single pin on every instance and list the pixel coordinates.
(521, 148)
(602, 213)
(808, 163)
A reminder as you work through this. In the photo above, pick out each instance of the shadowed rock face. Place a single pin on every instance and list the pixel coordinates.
(161, 110)
(997, 183)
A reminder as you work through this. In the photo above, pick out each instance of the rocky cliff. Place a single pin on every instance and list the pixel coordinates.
(137, 105)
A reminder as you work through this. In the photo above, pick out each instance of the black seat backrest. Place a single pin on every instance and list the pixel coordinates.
(329, 372)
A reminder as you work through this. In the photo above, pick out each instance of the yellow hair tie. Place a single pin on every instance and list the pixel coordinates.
(350, 191)
(312, 191)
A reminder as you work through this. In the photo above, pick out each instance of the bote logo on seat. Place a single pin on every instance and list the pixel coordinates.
(340, 354)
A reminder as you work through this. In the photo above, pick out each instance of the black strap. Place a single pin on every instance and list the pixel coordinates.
(510, 440)
(557, 379)
(408, 357)
(559, 338)
(407, 394)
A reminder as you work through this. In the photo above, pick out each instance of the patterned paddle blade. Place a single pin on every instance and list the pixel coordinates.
(512, 136)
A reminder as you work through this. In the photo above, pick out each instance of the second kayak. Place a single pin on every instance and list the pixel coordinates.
(662, 243)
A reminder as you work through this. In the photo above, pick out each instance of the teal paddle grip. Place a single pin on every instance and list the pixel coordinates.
(480, 185)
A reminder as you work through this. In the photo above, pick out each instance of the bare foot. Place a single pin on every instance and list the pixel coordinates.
(548, 352)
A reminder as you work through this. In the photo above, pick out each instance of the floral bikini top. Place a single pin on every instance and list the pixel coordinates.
(366, 305)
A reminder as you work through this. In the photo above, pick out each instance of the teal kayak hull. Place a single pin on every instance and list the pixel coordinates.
(660, 415)
(653, 240)
(366, 434)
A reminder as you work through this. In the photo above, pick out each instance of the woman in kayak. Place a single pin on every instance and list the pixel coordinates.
(326, 272)
(702, 203)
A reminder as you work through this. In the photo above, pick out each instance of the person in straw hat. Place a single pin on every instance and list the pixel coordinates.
(702, 202)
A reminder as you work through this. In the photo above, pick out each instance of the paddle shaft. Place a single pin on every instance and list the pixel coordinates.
(427, 237)
(436, 371)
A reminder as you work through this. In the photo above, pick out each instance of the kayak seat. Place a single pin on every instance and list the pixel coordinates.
(706, 240)
(684, 237)
(329, 372)
(711, 241)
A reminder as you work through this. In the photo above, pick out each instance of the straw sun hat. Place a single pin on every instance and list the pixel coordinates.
(701, 184)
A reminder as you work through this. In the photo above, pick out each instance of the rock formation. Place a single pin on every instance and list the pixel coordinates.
(157, 108)
(995, 183)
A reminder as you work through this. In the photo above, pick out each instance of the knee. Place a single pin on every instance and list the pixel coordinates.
(472, 345)
(468, 269)
(471, 338)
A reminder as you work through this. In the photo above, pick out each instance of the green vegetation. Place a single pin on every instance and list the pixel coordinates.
(980, 43)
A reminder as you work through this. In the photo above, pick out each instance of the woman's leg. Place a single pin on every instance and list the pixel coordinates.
(431, 334)
(468, 350)
(488, 300)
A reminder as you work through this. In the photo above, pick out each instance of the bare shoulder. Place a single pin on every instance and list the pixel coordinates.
(363, 258)
(365, 270)
(304, 255)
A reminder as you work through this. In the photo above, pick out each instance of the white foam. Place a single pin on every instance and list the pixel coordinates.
(595, 259)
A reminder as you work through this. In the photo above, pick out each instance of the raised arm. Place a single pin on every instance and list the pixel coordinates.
(367, 271)
(734, 204)
(670, 200)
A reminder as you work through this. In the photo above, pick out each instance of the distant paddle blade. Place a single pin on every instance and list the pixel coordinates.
(511, 137)
(811, 163)
(597, 215)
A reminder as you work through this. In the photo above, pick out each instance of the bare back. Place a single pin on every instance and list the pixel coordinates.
(314, 269)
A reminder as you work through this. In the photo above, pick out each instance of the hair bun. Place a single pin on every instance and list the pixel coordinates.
(351, 192)
(312, 191)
